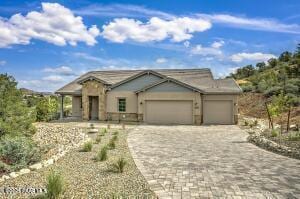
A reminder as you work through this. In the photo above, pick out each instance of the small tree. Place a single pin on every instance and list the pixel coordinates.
(15, 117)
(278, 105)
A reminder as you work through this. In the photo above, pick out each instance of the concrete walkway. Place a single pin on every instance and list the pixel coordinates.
(210, 162)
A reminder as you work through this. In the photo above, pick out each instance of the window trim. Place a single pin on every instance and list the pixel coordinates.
(118, 107)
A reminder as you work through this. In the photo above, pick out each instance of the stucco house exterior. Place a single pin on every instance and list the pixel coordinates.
(165, 96)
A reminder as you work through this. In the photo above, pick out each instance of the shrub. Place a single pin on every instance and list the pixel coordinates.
(15, 117)
(294, 136)
(102, 154)
(19, 151)
(247, 87)
(87, 147)
(104, 131)
(98, 139)
(4, 168)
(55, 185)
(274, 133)
(115, 132)
(255, 123)
(111, 144)
(246, 123)
(115, 138)
(119, 165)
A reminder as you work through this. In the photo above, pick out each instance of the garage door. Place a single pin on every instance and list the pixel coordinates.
(169, 112)
(217, 112)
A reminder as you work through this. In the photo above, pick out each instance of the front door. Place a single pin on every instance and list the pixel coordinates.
(93, 107)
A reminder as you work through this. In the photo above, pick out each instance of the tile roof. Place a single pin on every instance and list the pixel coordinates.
(198, 78)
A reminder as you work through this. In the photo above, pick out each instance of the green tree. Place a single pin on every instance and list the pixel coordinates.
(261, 66)
(272, 62)
(285, 56)
(46, 108)
(15, 117)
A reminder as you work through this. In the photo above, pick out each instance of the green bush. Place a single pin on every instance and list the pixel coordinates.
(104, 131)
(115, 138)
(54, 186)
(115, 132)
(15, 117)
(119, 165)
(19, 151)
(98, 139)
(4, 168)
(247, 87)
(47, 108)
(87, 147)
(102, 154)
(273, 91)
(274, 133)
(111, 144)
(294, 136)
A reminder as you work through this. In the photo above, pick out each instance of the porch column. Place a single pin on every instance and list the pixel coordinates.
(61, 106)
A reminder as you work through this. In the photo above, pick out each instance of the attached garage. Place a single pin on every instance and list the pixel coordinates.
(169, 112)
(218, 112)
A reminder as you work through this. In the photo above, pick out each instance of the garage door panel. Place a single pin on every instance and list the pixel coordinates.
(169, 112)
(217, 112)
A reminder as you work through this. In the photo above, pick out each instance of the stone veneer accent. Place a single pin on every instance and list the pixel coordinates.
(130, 117)
(93, 88)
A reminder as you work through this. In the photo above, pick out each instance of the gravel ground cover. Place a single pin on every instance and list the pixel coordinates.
(85, 178)
(54, 138)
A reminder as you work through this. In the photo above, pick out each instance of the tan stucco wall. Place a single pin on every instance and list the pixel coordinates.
(194, 96)
(76, 110)
(112, 101)
(93, 88)
(233, 98)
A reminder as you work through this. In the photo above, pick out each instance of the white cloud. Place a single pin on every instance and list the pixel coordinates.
(63, 70)
(262, 24)
(186, 44)
(257, 56)
(213, 49)
(161, 60)
(2, 62)
(121, 10)
(156, 29)
(54, 24)
(217, 44)
(54, 79)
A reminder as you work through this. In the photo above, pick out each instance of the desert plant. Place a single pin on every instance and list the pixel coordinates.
(87, 147)
(119, 165)
(111, 144)
(55, 185)
(104, 131)
(4, 167)
(274, 133)
(102, 154)
(115, 138)
(246, 123)
(255, 123)
(98, 139)
(294, 136)
(115, 132)
(18, 151)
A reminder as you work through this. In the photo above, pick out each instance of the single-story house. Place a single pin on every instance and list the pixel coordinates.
(164, 96)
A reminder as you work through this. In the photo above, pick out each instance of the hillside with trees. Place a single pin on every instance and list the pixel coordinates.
(271, 89)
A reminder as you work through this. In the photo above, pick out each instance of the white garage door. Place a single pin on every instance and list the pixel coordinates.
(169, 112)
(217, 112)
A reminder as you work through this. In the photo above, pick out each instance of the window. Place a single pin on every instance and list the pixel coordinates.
(122, 104)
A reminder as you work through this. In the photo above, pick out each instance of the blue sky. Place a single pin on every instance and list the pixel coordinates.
(46, 44)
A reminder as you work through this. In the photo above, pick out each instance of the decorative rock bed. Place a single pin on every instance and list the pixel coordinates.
(256, 137)
(58, 139)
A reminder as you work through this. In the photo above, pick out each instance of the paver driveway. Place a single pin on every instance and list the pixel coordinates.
(211, 162)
